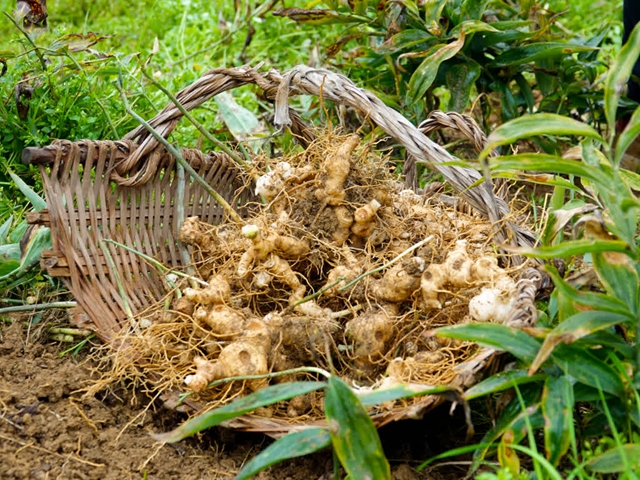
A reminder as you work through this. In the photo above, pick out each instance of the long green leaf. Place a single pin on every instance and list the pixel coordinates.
(4, 229)
(620, 278)
(501, 381)
(586, 323)
(618, 75)
(539, 162)
(353, 435)
(628, 135)
(536, 51)
(597, 301)
(261, 398)
(557, 410)
(35, 199)
(500, 337)
(575, 247)
(460, 79)
(612, 460)
(426, 72)
(295, 444)
(538, 124)
(588, 369)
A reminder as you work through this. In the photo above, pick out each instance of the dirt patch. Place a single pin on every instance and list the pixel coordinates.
(48, 430)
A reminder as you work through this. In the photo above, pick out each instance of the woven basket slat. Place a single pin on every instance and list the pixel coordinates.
(85, 208)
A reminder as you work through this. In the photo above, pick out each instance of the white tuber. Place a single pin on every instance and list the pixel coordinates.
(491, 305)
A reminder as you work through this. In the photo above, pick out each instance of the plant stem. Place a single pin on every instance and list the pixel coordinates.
(178, 156)
(38, 306)
(43, 63)
(308, 298)
(387, 265)
(157, 264)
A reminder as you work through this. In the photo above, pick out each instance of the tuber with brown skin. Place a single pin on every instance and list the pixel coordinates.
(243, 357)
(399, 283)
(336, 167)
(371, 330)
(364, 219)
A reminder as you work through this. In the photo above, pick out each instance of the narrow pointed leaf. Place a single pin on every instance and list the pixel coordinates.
(460, 79)
(296, 444)
(353, 435)
(501, 337)
(588, 369)
(541, 162)
(574, 247)
(39, 242)
(425, 74)
(317, 16)
(557, 410)
(35, 199)
(538, 124)
(618, 75)
(501, 381)
(617, 273)
(628, 135)
(597, 301)
(4, 229)
(537, 51)
(261, 398)
(612, 461)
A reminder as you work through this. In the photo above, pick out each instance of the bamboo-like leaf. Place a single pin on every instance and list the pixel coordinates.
(574, 247)
(501, 381)
(426, 72)
(612, 461)
(588, 369)
(295, 444)
(473, 9)
(317, 16)
(261, 398)
(501, 337)
(628, 135)
(529, 53)
(39, 242)
(35, 199)
(538, 124)
(353, 435)
(460, 79)
(619, 74)
(557, 410)
(4, 229)
(617, 273)
(594, 300)
(472, 26)
(541, 162)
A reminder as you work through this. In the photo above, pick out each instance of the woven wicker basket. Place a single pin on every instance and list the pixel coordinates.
(126, 191)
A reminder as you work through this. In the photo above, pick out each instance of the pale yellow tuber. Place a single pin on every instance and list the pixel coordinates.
(365, 221)
(216, 292)
(245, 356)
(264, 244)
(344, 219)
(399, 283)
(371, 330)
(337, 167)
(222, 320)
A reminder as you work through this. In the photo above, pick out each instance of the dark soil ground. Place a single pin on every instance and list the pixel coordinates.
(48, 430)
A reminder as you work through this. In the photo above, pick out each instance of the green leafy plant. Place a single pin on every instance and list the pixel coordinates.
(510, 56)
(591, 351)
